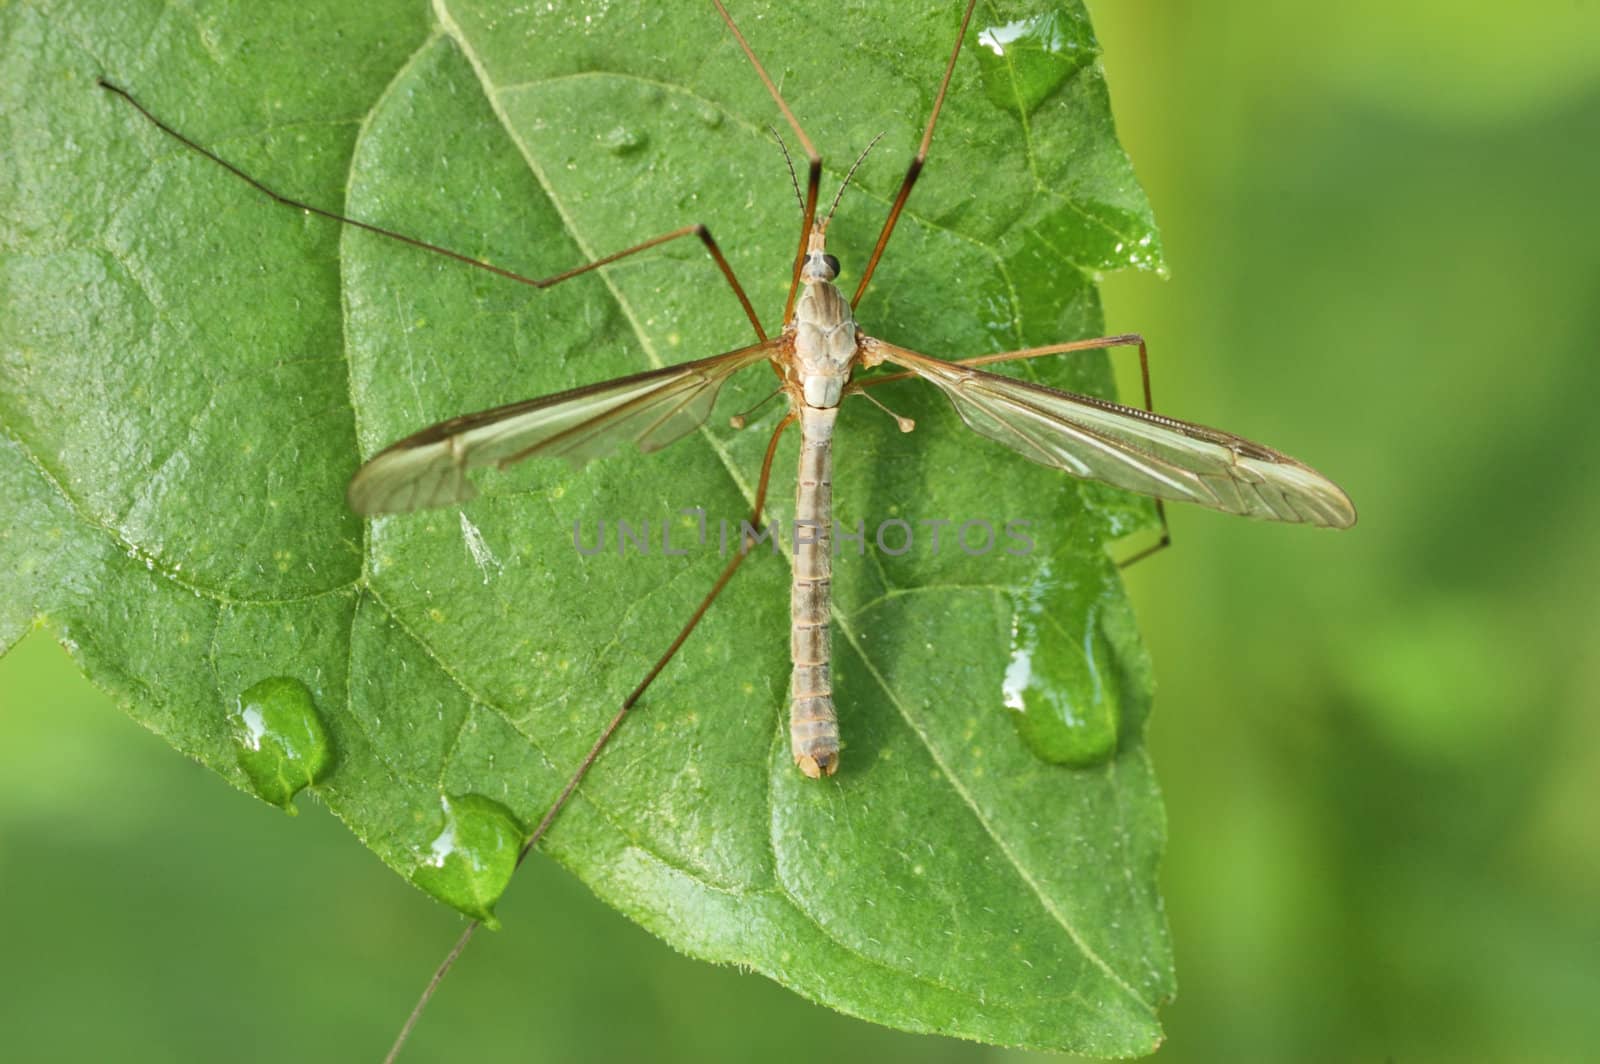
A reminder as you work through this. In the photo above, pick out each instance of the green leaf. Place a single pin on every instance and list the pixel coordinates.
(192, 373)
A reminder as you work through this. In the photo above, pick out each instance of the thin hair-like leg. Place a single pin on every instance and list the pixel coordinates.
(605, 736)
(915, 169)
(813, 160)
(698, 231)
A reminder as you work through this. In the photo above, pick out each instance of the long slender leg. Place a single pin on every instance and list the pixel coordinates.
(1093, 344)
(1096, 343)
(605, 735)
(915, 169)
(699, 231)
(813, 160)
(1160, 544)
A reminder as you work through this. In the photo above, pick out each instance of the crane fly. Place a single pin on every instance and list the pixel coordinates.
(816, 356)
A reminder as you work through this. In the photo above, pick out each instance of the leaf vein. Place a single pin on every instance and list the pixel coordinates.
(1047, 903)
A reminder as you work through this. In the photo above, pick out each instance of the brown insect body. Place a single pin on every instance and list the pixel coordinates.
(820, 347)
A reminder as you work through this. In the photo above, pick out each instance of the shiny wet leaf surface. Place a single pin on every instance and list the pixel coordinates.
(191, 374)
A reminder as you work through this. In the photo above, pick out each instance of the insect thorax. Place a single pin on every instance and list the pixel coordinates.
(824, 343)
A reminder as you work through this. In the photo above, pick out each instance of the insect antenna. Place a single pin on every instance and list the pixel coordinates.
(794, 178)
(837, 196)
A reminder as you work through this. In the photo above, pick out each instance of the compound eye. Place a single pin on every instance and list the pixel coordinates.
(832, 264)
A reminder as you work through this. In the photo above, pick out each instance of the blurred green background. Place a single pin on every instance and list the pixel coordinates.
(1380, 750)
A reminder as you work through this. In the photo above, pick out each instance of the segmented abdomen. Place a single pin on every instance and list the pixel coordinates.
(813, 724)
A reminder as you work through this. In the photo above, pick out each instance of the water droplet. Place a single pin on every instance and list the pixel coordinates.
(470, 861)
(1023, 62)
(283, 745)
(623, 141)
(1063, 687)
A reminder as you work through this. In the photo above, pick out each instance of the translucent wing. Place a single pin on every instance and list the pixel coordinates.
(1133, 449)
(648, 409)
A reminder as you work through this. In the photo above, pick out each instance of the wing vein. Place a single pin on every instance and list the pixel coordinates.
(1096, 439)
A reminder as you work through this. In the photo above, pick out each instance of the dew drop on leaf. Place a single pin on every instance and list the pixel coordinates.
(470, 861)
(1062, 688)
(1023, 62)
(621, 140)
(282, 743)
